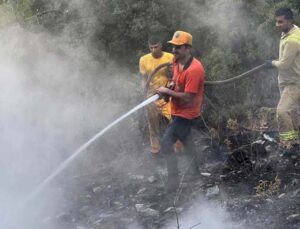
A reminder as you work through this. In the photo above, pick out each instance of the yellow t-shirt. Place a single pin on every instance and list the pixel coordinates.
(148, 63)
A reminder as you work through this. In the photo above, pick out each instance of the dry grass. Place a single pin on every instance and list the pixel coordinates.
(267, 188)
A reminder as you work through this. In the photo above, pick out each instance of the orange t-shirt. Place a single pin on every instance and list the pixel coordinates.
(189, 80)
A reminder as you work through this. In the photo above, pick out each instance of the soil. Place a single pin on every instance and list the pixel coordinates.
(251, 179)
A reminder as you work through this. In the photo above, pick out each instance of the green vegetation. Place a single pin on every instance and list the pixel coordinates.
(230, 36)
(12, 11)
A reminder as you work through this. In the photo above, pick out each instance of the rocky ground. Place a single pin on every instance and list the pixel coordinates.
(248, 179)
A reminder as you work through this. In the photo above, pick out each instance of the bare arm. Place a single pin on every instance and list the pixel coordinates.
(186, 99)
(143, 74)
(143, 80)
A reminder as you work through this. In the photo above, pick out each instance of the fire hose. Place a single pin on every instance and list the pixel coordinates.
(207, 83)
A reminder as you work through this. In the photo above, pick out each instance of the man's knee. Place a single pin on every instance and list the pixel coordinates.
(283, 111)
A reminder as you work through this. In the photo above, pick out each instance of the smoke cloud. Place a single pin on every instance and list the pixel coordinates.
(54, 97)
(205, 214)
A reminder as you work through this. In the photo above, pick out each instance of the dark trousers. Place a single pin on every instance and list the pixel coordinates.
(178, 129)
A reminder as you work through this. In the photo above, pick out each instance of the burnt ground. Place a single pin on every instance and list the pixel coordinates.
(249, 178)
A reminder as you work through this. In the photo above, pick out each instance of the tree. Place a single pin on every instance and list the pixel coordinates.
(230, 36)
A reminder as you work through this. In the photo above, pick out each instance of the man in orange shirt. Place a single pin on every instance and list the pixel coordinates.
(159, 112)
(187, 95)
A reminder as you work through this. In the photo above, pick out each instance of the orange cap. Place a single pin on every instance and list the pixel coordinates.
(181, 38)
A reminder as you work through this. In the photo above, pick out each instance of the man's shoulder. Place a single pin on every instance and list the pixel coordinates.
(195, 70)
(196, 62)
(294, 37)
(196, 65)
(168, 55)
(297, 29)
(146, 57)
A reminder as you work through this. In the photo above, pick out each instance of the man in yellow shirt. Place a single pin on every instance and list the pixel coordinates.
(288, 66)
(160, 110)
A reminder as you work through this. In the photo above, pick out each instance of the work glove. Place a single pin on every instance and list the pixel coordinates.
(269, 64)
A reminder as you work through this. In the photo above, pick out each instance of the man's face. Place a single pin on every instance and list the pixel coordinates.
(283, 24)
(155, 49)
(180, 51)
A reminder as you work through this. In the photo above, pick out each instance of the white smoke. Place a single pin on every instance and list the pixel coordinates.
(204, 214)
(53, 97)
